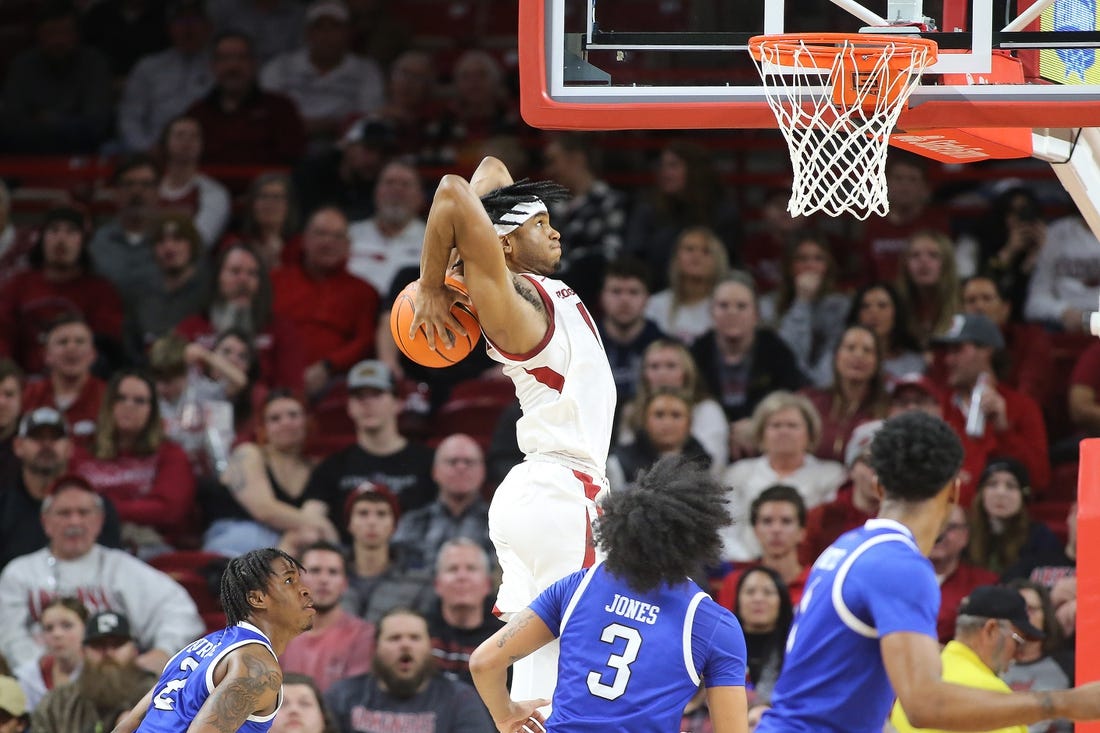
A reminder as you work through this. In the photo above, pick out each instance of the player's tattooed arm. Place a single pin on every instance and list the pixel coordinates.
(515, 626)
(527, 291)
(250, 686)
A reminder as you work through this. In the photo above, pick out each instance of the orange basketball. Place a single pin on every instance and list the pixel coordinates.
(417, 349)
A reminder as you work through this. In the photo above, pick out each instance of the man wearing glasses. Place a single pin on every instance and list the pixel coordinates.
(991, 629)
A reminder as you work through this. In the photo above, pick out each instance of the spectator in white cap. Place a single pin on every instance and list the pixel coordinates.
(13, 707)
(327, 82)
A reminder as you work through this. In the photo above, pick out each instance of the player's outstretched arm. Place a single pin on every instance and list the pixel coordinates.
(250, 685)
(489, 663)
(729, 709)
(913, 666)
(133, 718)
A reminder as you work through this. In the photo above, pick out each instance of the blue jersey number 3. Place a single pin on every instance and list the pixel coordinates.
(618, 662)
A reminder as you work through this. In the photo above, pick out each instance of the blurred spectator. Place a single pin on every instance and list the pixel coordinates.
(915, 392)
(165, 83)
(807, 310)
(180, 288)
(121, 248)
(741, 363)
(63, 623)
(405, 688)
(194, 407)
(57, 94)
(665, 429)
(339, 645)
(183, 188)
(126, 30)
(688, 193)
(667, 364)
(1065, 284)
(624, 329)
(60, 282)
(1027, 345)
(163, 617)
(929, 284)
(11, 407)
(856, 501)
(1041, 666)
(412, 100)
(332, 311)
(327, 82)
(43, 449)
(1013, 424)
(763, 251)
(304, 709)
(1084, 391)
(264, 486)
(458, 471)
(881, 249)
(956, 576)
(242, 300)
(1010, 242)
(785, 427)
(380, 455)
(15, 242)
(763, 608)
(856, 395)
(146, 476)
(14, 710)
(242, 124)
(234, 346)
(269, 225)
(683, 310)
(110, 686)
(275, 26)
(778, 519)
(593, 221)
(392, 238)
(376, 33)
(463, 618)
(479, 109)
(1003, 536)
(382, 578)
(346, 174)
(69, 385)
(879, 308)
(504, 453)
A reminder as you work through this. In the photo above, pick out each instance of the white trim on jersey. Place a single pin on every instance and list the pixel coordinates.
(588, 575)
(689, 622)
(846, 616)
(266, 644)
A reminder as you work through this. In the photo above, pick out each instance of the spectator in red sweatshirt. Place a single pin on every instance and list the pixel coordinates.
(146, 476)
(69, 386)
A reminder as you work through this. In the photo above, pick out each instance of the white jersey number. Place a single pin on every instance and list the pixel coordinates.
(619, 662)
(163, 701)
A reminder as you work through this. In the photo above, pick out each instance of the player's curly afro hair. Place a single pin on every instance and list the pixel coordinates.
(666, 527)
(500, 201)
(247, 573)
(915, 455)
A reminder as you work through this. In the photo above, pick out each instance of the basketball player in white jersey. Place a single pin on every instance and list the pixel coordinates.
(498, 234)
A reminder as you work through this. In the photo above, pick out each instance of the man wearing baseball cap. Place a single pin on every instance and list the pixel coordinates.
(1013, 421)
(914, 391)
(990, 630)
(13, 706)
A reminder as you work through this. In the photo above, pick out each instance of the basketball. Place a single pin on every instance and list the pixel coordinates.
(417, 349)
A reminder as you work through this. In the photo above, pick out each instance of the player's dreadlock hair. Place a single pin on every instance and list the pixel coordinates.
(665, 528)
(245, 574)
(915, 455)
(500, 201)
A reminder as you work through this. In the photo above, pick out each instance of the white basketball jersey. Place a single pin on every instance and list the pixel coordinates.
(564, 384)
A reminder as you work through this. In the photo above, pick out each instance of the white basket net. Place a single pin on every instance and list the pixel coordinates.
(836, 103)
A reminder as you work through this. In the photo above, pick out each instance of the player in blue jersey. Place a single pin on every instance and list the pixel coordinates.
(637, 636)
(230, 680)
(866, 625)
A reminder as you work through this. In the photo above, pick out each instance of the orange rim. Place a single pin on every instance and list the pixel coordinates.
(823, 48)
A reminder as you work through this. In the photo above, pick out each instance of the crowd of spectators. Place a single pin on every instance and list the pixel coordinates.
(196, 362)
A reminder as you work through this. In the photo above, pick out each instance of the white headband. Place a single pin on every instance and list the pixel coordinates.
(518, 216)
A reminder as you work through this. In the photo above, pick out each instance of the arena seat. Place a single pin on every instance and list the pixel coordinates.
(473, 408)
(194, 570)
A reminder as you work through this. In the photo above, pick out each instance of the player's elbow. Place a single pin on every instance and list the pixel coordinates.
(450, 188)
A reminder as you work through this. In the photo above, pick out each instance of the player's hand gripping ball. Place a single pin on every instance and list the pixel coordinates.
(417, 349)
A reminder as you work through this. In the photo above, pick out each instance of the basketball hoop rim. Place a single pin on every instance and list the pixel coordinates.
(820, 50)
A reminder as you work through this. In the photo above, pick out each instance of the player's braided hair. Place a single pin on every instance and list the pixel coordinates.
(915, 455)
(664, 529)
(245, 574)
(500, 201)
